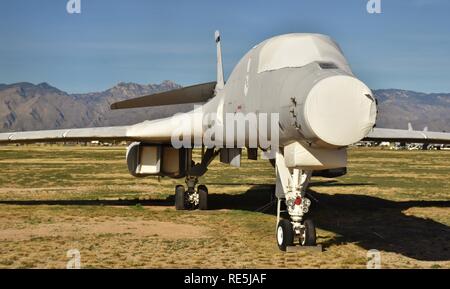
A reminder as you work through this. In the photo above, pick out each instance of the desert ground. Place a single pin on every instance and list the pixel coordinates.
(55, 198)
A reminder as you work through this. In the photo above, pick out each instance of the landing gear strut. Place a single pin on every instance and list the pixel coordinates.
(192, 198)
(291, 189)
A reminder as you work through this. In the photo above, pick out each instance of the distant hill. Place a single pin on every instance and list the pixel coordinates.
(398, 107)
(26, 106)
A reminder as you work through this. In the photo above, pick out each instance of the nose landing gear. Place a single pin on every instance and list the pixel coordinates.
(287, 234)
(308, 233)
(291, 189)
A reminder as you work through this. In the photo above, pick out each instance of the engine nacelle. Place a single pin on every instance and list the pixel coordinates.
(331, 173)
(145, 160)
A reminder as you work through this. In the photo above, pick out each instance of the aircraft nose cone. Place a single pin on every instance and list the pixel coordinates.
(340, 110)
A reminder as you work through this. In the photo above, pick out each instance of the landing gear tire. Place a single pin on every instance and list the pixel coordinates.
(308, 234)
(285, 234)
(202, 191)
(180, 198)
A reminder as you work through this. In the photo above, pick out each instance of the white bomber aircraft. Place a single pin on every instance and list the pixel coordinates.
(305, 79)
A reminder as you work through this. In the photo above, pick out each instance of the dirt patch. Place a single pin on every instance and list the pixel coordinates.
(138, 229)
(407, 175)
(131, 223)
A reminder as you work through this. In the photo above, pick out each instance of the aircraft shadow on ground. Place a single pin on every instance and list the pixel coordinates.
(370, 222)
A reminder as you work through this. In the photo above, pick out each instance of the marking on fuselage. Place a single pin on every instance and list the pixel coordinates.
(219, 116)
(247, 76)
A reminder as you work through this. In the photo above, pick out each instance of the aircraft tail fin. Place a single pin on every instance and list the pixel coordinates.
(410, 128)
(220, 79)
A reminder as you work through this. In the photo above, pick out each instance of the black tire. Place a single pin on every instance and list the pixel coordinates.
(309, 234)
(180, 202)
(202, 191)
(285, 234)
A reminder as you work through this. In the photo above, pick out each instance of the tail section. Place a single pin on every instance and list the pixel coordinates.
(220, 80)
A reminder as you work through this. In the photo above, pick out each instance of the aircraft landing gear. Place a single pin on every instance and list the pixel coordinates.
(286, 234)
(202, 192)
(194, 198)
(180, 198)
(308, 233)
(291, 189)
(191, 198)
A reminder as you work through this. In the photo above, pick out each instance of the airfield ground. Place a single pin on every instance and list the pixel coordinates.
(56, 198)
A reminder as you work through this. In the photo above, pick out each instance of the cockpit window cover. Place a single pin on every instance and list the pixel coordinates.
(297, 50)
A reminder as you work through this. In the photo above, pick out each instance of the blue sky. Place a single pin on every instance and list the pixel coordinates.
(407, 46)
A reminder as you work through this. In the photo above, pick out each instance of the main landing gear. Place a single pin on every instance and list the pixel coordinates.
(192, 198)
(195, 197)
(291, 189)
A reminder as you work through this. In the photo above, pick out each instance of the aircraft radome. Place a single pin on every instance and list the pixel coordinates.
(294, 97)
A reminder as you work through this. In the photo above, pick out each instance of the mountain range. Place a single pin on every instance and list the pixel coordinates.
(25, 106)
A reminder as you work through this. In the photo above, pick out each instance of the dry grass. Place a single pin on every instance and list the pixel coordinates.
(394, 201)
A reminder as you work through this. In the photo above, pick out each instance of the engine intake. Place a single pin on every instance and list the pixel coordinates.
(145, 160)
